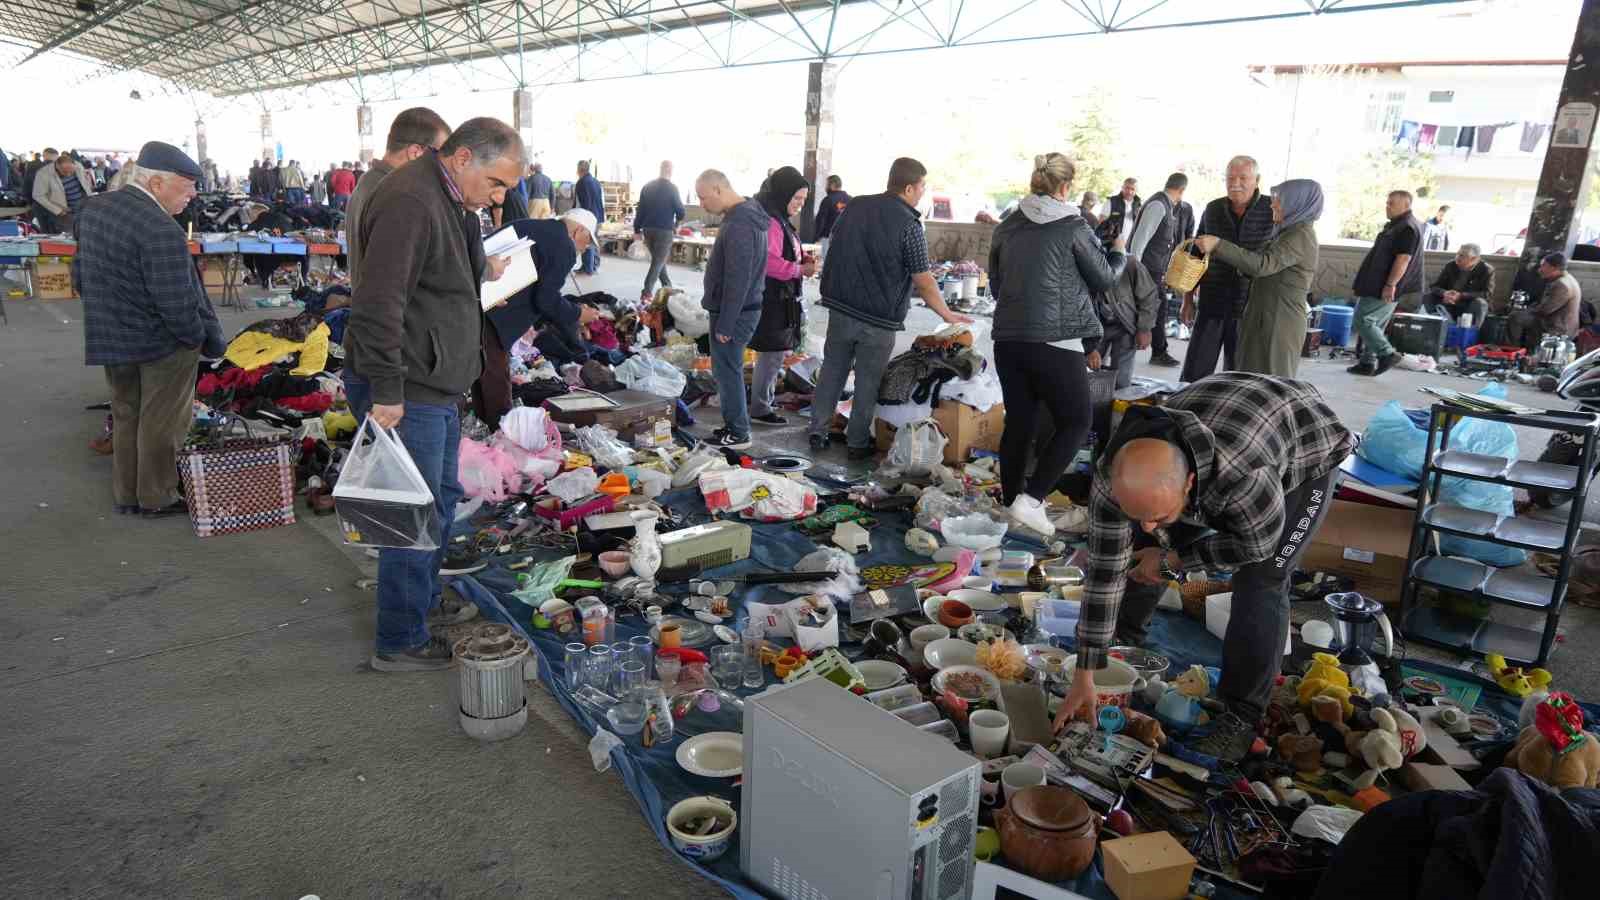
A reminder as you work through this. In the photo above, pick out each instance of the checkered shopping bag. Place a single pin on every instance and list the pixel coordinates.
(237, 484)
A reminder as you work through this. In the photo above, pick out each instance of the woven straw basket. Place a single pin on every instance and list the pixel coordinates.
(1184, 271)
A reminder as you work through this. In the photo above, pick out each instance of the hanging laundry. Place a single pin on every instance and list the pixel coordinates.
(1532, 133)
(1447, 135)
(1468, 135)
(1486, 136)
(1407, 135)
(1427, 137)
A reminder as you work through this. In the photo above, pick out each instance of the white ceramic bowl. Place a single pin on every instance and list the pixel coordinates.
(980, 601)
(707, 847)
(923, 635)
(947, 652)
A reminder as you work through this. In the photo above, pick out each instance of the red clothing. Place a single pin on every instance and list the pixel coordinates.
(342, 181)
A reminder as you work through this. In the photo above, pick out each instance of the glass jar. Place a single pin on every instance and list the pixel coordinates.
(573, 661)
(598, 672)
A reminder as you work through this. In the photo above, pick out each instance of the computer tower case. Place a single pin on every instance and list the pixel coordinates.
(845, 801)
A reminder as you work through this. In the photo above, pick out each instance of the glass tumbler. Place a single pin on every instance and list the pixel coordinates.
(573, 663)
(598, 672)
(630, 678)
(643, 651)
(753, 638)
(620, 653)
(667, 668)
(727, 664)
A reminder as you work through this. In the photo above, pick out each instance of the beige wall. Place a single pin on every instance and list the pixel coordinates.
(1337, 265)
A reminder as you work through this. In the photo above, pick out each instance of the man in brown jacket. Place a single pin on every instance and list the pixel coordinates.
(1555, 313)
(412, 347)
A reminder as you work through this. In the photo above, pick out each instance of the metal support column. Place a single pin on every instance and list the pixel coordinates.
(364, 131)
(1569, 161)
(820, 82)
(200, 149)
(267, 150)
(522, 119)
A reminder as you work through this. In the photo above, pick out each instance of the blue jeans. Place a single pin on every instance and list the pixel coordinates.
(297, 196)
(1372, 317)
(591, 261)
(727, 366)
(408, 580)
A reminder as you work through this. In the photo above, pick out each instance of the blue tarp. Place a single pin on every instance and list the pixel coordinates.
(652, 775)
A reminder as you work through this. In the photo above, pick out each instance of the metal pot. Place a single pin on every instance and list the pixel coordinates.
(1556, 351)
(1048, 832)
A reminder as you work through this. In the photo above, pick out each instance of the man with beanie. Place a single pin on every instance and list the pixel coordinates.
(878, 257)
(147, 320)
(735, 274)
(413, 347)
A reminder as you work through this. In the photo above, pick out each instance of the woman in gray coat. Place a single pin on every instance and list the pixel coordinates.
(1045, 265)
(1273, 328)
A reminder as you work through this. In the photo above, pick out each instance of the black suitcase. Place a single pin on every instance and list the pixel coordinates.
(1418, 334)
(1495, 330)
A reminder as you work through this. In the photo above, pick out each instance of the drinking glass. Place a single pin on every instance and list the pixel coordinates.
(599, 668)
(574, 661)
(753, 636)
(630, 677)
(643, 650)
(727, 664)
(667, 668)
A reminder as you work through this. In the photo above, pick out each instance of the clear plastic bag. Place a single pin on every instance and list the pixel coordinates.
(757, 495)
(600, 747)
(570, 486)
(688, 316)
(381, 497)
(637, 250)
(602, 445)
(935, 506)
(974, 532)
(651, 374)
(918, 447)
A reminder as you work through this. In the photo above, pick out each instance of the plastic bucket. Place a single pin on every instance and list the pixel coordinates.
(1336, 323)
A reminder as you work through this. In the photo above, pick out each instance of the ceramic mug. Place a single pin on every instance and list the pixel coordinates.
(1018, 776)
(988, 729)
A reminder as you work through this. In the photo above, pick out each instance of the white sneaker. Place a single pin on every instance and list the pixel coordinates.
(1074, 519)
(1029, 513)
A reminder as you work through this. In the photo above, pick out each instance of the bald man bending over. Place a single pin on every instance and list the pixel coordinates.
(1234, 472)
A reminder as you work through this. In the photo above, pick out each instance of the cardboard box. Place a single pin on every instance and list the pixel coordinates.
(1151, 866)
(52, 279)
(213, 271)
(1366, 543)
(966, 428)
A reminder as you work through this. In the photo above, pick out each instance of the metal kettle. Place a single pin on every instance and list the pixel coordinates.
(1555, 351)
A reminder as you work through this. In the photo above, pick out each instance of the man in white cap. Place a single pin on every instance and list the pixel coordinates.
(557, 246)
(147, 319)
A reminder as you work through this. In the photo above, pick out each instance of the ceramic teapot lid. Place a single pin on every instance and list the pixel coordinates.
(1051, 808)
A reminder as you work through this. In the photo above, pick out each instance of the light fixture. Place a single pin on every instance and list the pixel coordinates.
(87, 7)
(134, 95)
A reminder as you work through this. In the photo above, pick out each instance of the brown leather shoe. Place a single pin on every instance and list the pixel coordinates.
(101, 445)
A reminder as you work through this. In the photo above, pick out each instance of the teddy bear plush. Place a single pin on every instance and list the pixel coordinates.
(1555, 749)
(1381, 748)
(1326, 679)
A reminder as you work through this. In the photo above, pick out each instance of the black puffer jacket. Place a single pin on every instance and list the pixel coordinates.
(1044, 276)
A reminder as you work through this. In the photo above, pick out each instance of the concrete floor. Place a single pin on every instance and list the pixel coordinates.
(195, 718)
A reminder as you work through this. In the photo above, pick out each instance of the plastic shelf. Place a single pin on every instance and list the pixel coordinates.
(1516, 531)
(1499, 470)
(1440, 628)
(1503, 585)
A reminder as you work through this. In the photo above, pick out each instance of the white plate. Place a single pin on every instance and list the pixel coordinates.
(947, 652)
(991, 683)
(880, 674)
(707, 618)
(725, 634)
(715, 754)
(980, 601)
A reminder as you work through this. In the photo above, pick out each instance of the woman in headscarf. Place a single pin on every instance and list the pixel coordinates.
(1272, 331)
(778, 332)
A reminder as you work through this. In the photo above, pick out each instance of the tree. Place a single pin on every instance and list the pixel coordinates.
(1365, 183)
(1094, 149)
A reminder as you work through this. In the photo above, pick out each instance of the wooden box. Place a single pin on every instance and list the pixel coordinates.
(1152, 866)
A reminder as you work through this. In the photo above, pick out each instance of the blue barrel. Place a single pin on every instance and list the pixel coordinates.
(1336, 322)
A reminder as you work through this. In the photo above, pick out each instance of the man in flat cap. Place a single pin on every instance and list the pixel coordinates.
(147, 319)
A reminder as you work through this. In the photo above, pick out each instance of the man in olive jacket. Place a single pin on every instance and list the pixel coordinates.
(412, 347)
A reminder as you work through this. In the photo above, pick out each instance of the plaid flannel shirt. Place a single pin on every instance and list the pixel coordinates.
(1252, 439)
(142, 298)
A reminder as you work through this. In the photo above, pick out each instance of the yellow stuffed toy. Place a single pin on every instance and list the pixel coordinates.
(1515, 679)
(1326, 679)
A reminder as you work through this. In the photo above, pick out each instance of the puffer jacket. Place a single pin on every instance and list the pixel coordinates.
(1044, 276)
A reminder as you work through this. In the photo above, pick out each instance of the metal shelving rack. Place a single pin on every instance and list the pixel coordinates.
(1506, 586)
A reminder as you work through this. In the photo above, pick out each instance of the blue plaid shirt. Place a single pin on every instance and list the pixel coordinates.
(142, 298)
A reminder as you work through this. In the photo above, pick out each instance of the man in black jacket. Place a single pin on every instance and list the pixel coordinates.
(413, 346)
(1391, 269)
(1154, 238)
(828, 211)
(1464, 286)
(880, 257)
(1243, 217)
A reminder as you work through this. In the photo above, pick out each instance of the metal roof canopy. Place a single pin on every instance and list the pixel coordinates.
(231, 48)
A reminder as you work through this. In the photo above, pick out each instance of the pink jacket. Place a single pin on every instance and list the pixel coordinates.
(778, 267)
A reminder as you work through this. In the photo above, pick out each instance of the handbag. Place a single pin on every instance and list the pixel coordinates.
(1185, 269)
(236, 484)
